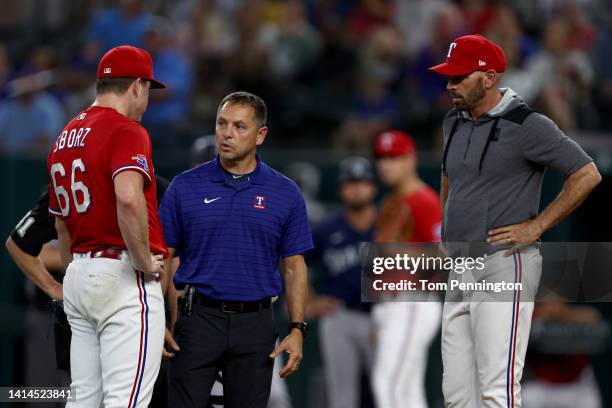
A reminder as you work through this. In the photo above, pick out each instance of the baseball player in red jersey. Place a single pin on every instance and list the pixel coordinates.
(404, 327)
(103, 197)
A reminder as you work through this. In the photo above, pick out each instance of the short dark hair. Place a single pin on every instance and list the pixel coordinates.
(247, 98)
(118, 85)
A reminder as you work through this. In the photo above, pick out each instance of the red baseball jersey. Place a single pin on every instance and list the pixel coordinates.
(427, 215)
(93, 148)
(413, 217)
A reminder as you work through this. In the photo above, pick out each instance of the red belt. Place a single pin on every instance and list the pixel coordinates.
(112, 253)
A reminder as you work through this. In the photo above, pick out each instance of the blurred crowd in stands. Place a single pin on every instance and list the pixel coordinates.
(333, 72)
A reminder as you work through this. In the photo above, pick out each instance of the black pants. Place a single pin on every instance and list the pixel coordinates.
(160, 390)
(238, 344)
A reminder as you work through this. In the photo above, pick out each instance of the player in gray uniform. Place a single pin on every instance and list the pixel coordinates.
(345, 325)
(496, 152)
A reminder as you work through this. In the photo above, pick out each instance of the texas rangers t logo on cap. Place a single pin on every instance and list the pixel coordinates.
(451, 47)
(142, 160)
(387, 140)
(259, 202)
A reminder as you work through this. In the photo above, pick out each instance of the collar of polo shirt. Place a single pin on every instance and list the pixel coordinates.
(257, 177)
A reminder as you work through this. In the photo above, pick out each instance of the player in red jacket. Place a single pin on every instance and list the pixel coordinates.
(103, 196)
(404, 326)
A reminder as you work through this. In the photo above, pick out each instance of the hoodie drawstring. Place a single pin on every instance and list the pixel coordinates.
(486, 146)
(450, 139)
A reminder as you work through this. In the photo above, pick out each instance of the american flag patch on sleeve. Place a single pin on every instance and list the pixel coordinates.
(142, 160)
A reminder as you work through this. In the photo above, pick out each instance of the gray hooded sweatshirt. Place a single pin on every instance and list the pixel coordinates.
(495, 167)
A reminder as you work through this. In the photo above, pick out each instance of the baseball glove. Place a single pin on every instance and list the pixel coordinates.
(395, 223)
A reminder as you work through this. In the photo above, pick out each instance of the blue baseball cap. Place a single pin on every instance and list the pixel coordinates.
(355, 169)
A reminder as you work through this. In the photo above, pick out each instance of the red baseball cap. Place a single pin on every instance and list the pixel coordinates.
(128, 62)
(393, 143)
(471, 53)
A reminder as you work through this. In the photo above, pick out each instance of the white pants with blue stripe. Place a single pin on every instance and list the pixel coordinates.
(484, 336)
(117, 320)
(404, 331)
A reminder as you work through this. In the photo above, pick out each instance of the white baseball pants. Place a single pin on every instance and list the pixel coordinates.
(117, 319)
(484, 341)
(404, 332)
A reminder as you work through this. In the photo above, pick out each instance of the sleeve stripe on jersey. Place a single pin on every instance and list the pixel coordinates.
(131, 167)
(54, 212)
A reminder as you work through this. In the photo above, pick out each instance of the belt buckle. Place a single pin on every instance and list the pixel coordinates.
(226, 308)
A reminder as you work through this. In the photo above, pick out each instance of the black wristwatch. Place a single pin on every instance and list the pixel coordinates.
(302, 326)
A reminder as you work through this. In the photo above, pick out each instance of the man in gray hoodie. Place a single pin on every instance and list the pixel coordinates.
(496, 152)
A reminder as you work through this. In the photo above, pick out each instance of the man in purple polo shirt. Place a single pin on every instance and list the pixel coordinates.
(233, 220)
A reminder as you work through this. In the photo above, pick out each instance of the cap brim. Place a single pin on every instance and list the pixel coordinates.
(387, 154)
(447, 69)
(155, 84)
(382, 155)
(347, 179)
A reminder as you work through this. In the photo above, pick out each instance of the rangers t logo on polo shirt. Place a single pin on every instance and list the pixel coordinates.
(259, 202)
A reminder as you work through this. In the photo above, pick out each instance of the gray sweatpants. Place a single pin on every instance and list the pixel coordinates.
(346, 351)
(484, 339)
